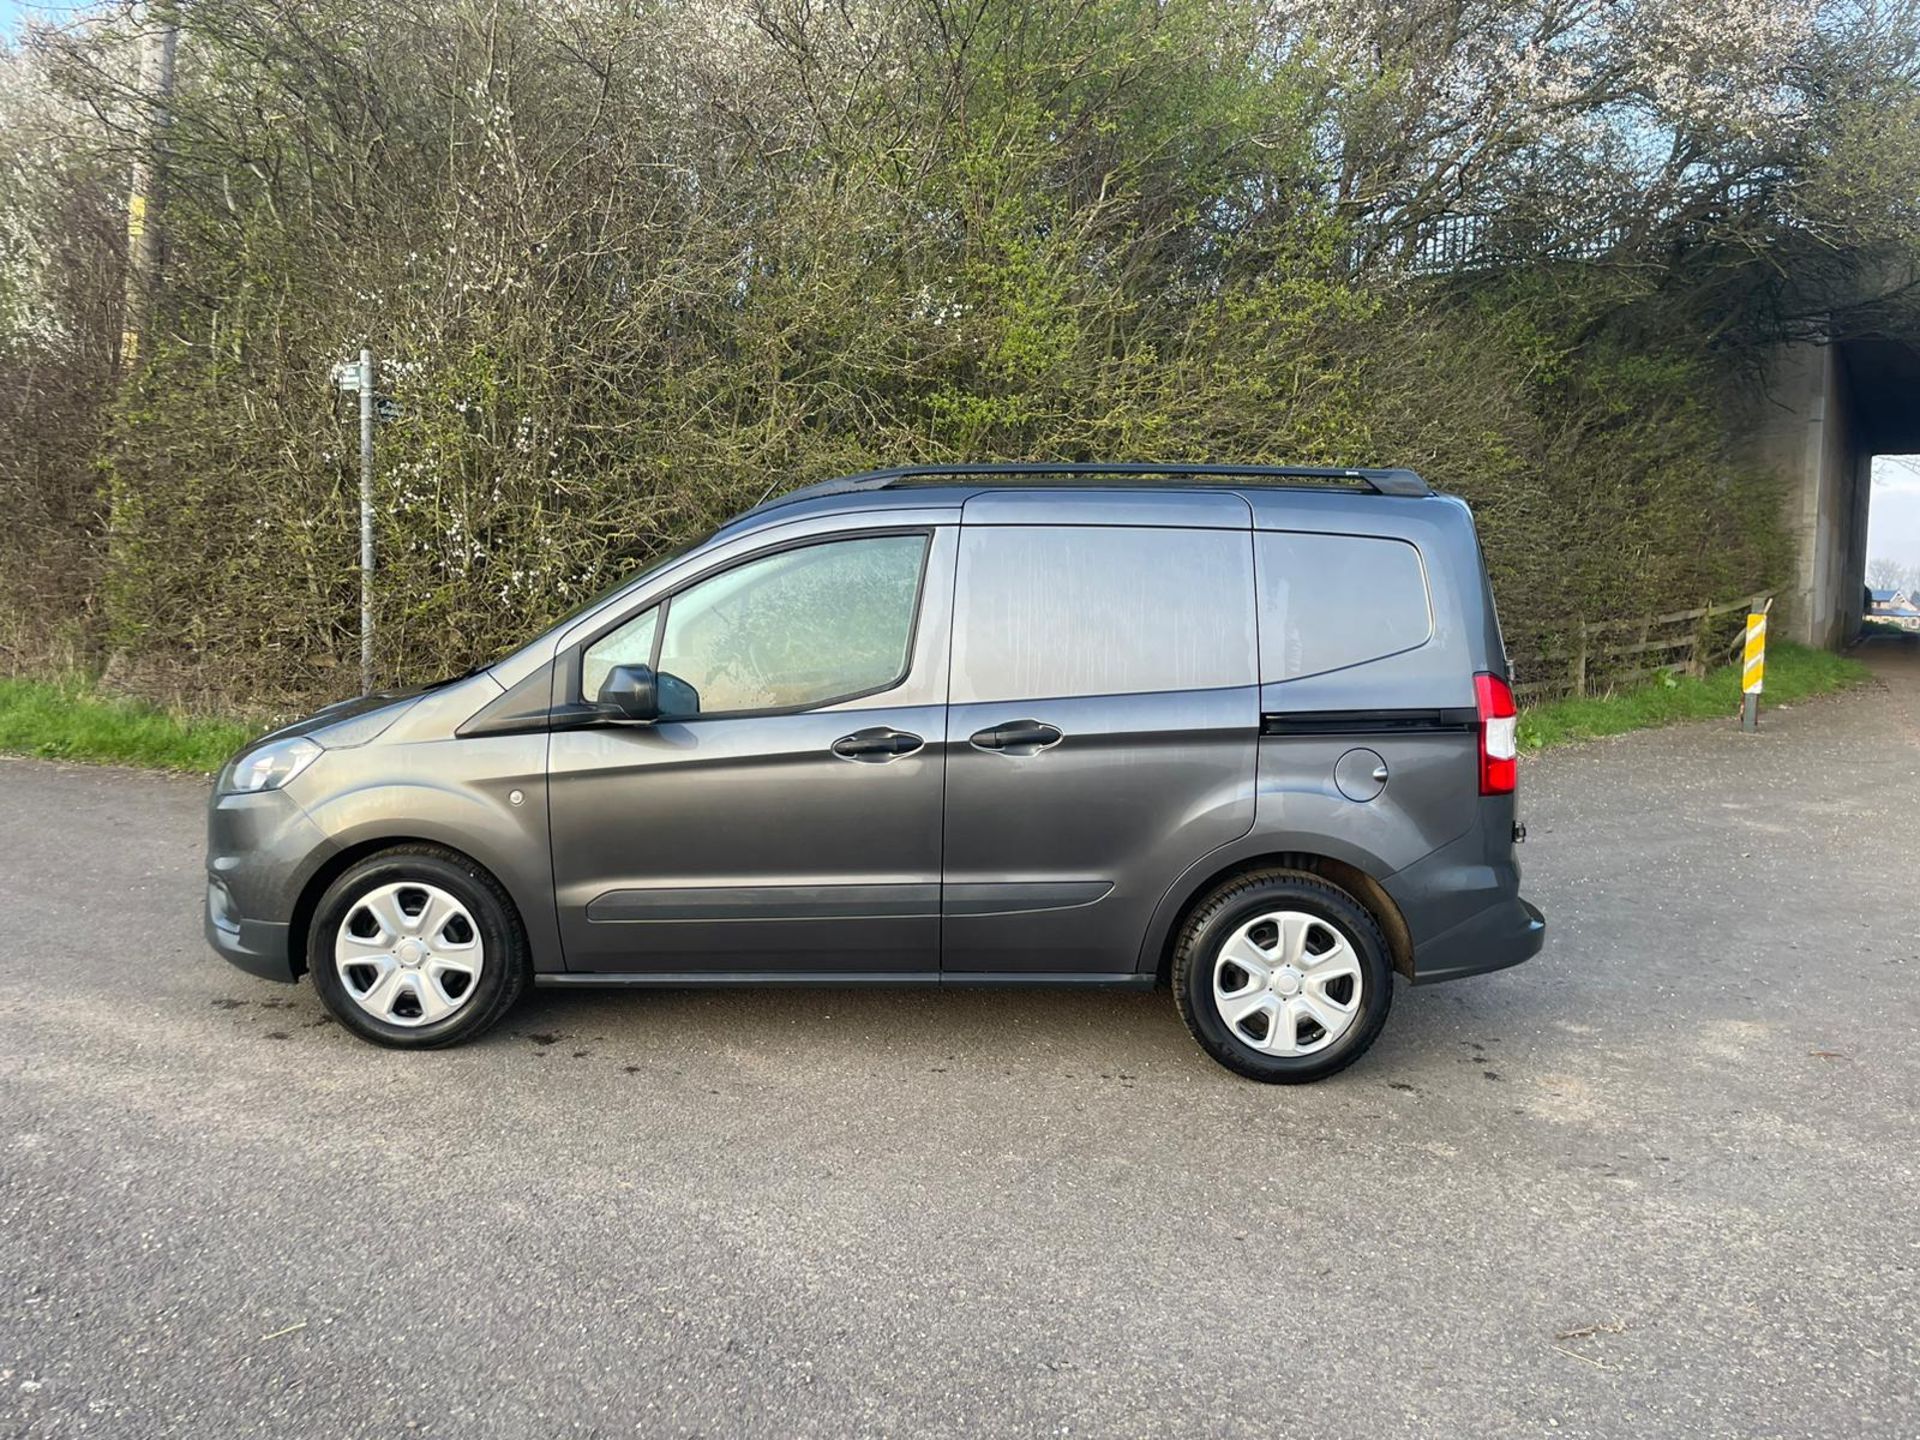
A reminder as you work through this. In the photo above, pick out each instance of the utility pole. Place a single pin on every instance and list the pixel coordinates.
(366, 521)
(159, 36)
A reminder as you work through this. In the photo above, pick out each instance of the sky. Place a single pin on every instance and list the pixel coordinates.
(12, 12)
(1893, 514)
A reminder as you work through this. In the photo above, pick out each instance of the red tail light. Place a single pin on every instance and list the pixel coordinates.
(1499, 735)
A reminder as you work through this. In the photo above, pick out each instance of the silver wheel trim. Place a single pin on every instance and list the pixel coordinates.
(1288, 967)
(408, 953)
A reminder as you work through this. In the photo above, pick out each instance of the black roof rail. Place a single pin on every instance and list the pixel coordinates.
(1381, 482)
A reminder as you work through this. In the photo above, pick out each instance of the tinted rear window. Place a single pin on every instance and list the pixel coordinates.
(1048, 612)
(1330, 601)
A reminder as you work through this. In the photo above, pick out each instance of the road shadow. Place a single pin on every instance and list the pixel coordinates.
(1044, 1029)
(1012, 1026)
(1049, 1028)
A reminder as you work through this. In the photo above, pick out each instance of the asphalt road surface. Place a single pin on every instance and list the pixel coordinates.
(1660, 1181)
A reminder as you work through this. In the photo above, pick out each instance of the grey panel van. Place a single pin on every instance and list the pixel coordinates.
(1243, 731)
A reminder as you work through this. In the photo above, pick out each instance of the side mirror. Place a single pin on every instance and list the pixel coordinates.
(633, 691)
(638, 693)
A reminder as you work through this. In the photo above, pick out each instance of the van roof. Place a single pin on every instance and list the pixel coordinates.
(1169, 476)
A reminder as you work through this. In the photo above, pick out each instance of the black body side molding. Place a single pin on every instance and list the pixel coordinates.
(1454, 720)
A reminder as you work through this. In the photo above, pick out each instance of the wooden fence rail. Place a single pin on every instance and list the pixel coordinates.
(1592, 658)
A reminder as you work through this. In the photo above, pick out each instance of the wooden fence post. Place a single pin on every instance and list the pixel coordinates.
(1580, 663)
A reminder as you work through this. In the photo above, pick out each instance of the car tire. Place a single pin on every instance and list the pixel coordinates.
(416, 948)
(1295, 949)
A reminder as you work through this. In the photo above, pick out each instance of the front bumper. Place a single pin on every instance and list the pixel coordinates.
(261, 851)
(258, 947)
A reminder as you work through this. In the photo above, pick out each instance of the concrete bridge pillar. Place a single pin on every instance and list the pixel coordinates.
(1802, 427)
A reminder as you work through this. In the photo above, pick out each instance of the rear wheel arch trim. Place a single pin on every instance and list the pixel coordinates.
(1206, 876)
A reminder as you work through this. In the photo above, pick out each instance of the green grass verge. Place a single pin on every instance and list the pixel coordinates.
(1793, 673)
(66, 720)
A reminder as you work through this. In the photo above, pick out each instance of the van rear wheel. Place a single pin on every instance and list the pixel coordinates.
(1282, 977)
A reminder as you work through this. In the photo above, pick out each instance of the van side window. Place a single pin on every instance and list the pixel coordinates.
(807, 626)
(1050, 612)
(1330, 601)
(631, 644)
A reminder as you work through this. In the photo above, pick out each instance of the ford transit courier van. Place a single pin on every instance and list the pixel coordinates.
(1244, 731)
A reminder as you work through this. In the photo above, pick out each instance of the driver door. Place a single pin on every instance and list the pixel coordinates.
(789, 825)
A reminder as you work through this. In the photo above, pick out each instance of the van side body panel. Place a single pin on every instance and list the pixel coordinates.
(1140, 786)
(748, 842)
(1443, 852)
(1122, 621)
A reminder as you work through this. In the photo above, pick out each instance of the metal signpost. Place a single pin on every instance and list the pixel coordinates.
(351, 377)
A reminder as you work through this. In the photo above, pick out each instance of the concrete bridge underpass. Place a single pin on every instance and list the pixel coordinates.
(1821, 415)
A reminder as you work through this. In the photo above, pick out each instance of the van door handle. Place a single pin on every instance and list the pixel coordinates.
(1016, 737)
(876, 746)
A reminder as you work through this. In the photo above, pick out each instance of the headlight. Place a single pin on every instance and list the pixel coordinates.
(270, 766)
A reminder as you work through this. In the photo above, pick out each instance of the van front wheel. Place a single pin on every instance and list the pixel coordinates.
(1282, 977)
(417, 947)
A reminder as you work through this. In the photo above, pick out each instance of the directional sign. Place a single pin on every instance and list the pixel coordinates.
(346, 379)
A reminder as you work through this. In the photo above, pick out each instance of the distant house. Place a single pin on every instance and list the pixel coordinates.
(1894, 606)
